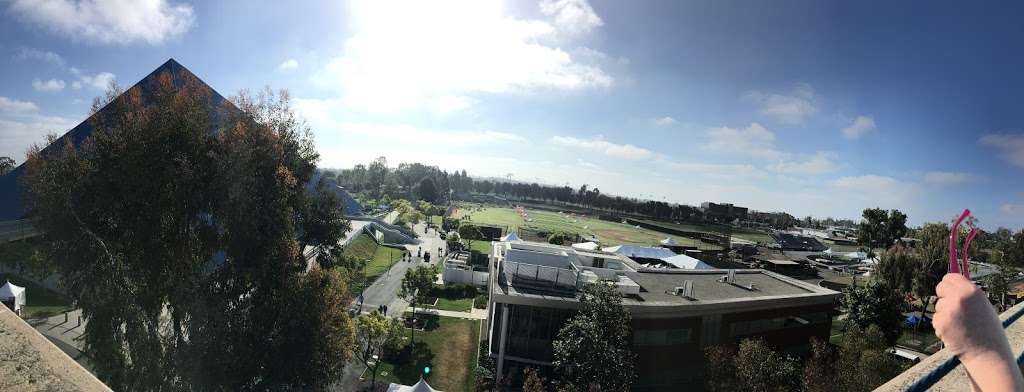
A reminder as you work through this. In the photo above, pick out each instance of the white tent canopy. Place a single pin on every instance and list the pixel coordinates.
(686, 262)
(585, 246)
(420, 386)
(16, 293)
(669, 242)
(510, 237)
(645, 252)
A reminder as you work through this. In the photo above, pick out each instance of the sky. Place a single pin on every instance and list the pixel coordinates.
(809, 107)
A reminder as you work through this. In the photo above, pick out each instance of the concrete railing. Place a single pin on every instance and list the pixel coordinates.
(31, 362)
(943, 372)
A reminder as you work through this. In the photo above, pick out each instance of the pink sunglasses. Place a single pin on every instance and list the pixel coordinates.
(955, 264)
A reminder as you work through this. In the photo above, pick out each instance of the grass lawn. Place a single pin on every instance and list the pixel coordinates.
(39, 301)
(448, 346)
(363, 247)
(483, 247)
(458, 298)
(609, 233)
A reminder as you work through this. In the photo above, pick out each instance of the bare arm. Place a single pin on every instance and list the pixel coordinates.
(970, 328)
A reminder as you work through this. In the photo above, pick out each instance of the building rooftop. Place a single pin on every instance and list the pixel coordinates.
(526, 268)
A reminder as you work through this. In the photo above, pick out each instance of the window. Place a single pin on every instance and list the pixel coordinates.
(749, 327)
(661, 337)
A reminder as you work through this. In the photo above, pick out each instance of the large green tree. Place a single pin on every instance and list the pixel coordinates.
(754, 366)
(864, 360)
(375, 334)
(178, 239)
(875, 303)
(417, 284)
(881, 229)
(592, 349)
(323, 223)
(426, 190)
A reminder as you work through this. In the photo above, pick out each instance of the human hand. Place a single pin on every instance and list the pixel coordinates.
(970, 328)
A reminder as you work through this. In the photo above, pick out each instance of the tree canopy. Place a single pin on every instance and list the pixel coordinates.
(427, 191)
(875, 303)
(179, 240)
(6, 165)
(375, 334)
(592, 349)
(880, 229)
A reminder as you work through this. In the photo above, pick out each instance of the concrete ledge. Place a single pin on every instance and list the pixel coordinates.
(29, 362)
(956, 380)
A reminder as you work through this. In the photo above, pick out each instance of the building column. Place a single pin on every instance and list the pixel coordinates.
(501, 345)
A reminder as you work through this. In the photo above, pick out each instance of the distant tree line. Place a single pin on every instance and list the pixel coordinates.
(415, 181)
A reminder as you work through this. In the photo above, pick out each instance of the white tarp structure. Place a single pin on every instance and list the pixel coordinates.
(669, 242)
(585, 246)
(420, 386)
(510, 237)
(686, 262)
(644, 252)
(11, 292)
(856, 255)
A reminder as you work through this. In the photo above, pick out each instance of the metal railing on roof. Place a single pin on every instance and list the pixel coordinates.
(539, 276)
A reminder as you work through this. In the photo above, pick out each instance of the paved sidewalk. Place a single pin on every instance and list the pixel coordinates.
(65, 335)
(475, 314)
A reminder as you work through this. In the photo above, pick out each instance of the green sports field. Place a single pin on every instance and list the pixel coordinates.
(609, 233)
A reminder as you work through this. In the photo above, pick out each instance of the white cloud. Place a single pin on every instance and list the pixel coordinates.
(1012, 209)
(52, 85)
(14, 106)
(439, 55)
(664, 121)
(882, 191)
(598, 144)
(1009, 145)
(426, 136)
(22, 125)
(822, 162)
(289, 64)
(108, 21)
(572, 16)
(787, 109)
(942, 178)
(42, 55)
(100, 81)
(860, 126)
(755, 141)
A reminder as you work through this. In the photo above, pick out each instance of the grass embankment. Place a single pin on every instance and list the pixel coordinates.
(447, 345)
(39, 301)
(609, 233)
(379, 258)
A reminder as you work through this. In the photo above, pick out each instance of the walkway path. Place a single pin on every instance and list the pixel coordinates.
(475, 314)
(65, 335)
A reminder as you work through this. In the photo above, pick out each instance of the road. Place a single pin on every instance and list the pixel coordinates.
(384, 291)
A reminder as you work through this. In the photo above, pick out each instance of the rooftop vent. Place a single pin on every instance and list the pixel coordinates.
(685, 291)
(729, 278)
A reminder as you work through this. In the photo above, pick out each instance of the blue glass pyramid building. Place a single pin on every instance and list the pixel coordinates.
(12, 202)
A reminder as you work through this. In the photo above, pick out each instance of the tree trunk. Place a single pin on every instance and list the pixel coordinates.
(924, 310)
(373, 379)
